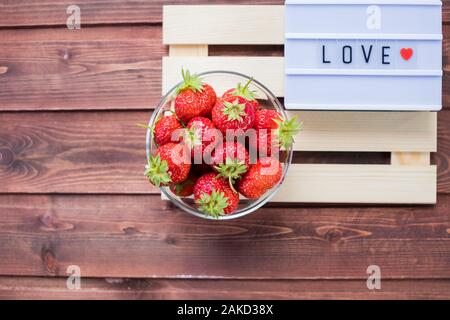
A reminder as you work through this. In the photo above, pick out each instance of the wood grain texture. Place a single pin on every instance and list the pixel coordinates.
(53, 12)
(189, 50)
(80, 69)
(123, 288)
(144, 237)
(73, 152)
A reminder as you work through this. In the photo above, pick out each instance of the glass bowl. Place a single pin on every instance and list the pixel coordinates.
(222, 81)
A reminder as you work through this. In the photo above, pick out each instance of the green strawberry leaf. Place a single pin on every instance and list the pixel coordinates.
(234, 111)
(213, 204)
(193, 82)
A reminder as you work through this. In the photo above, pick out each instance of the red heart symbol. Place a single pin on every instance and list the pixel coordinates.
(406, 53)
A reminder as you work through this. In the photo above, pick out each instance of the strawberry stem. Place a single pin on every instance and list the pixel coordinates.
(232, 170)
(244, 91)
(213, 204)
(286, 131)
(141, 125)
(230, 182)
(193, 82)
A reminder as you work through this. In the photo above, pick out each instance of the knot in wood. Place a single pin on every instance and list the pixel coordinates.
(6, 156)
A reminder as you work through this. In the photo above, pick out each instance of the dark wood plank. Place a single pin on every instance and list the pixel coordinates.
(93, 152)
(442, 157)
(100, 68)
(52, 12)
(142, 236)
(104, 152)
(119, 288)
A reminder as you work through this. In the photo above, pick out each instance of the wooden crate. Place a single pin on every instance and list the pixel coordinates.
(410, 137)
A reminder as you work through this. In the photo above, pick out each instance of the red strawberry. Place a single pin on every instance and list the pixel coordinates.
(265, 119)
(231, 160)
(214, 197)
(243, 92)
(185, 188)
(164, 128)
(262, 176)
(194, 98)
(233, 114)
(170, 164)
(201, 133)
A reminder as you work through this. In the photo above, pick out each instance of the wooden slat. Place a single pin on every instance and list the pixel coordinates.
(95, 68)
(142, 236)
(53, 12)
(272, 75)
(120, 288)
(238, 24)
(442, 158)
(104, 152)
(359, 184)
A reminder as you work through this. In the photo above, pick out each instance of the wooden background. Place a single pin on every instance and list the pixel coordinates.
(72, 190)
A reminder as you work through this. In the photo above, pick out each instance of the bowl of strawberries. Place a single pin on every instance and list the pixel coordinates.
(219, 144)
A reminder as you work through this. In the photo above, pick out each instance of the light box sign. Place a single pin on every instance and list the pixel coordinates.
(361, 55)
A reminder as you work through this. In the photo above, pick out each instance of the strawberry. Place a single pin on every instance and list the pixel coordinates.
(170, 164)
(194, 98)
(262, 176)
(244, 92)
(164, 128)
(201, 133)
(272, 132)
(265, 119)
(214, 197)
(185, 188)
(233, 114)
(231, 160)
